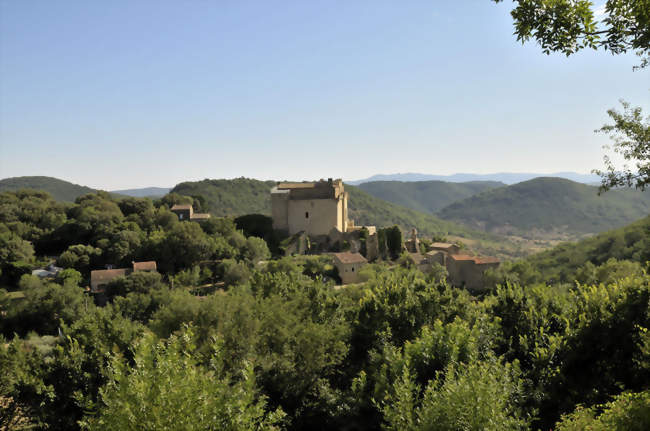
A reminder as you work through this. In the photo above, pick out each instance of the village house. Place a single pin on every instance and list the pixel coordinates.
(446, 247)
(467, 271)
(348, 265)
(101, 277)
(186, 212)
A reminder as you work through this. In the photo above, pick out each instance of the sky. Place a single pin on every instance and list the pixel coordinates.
(127, 94)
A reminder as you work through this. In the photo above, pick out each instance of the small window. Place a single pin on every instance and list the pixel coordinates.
(353, 269)
(307, 214)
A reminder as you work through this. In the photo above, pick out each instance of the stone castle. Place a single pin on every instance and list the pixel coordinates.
(311, 207)
(319, 211)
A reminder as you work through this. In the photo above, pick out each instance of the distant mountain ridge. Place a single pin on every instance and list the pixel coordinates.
(145, 192)
(549, 205)
(426, 196)
(504, 177)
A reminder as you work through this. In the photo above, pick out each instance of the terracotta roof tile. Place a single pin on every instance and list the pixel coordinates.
(145, 266)
(106, 275)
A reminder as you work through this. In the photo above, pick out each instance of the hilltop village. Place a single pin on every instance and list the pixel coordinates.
(315, 217)
(312, 217)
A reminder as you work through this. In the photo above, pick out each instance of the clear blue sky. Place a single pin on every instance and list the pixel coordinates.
(119, 94)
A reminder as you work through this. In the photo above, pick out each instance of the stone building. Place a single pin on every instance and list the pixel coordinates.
(186, 212)
(413, 244)
(311, 207)
(467, 271)
(101, 277)
(348, 265)
(446, 247)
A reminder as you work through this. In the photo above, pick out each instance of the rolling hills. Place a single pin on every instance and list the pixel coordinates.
(549, 207)
(426, 196)
(59, 189)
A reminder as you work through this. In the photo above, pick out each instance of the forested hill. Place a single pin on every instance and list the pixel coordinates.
(234, 197)
(245, 196)
(59, 189)
(549, 205)
(630, 243)
(426, 196)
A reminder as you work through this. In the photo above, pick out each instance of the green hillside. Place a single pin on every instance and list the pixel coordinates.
(631, 242)
(549, 205)
(230, 197)
(245, 196)
(426, 196)
(59, 189)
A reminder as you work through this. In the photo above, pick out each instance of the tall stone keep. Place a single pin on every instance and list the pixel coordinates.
(311, 207)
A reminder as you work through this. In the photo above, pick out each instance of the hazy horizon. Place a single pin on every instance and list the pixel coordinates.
(136, 94)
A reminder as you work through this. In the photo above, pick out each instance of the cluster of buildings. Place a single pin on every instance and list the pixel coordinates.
(319, 210)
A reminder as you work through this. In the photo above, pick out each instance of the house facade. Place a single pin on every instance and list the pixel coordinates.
(348, 265)
(186, 212)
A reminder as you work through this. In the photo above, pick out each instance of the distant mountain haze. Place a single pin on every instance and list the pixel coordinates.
(504, 177)
(146, 192)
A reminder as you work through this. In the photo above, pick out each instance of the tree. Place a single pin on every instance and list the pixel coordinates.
(169, 389)
(476, 396)
(631, 135)
(568, 26)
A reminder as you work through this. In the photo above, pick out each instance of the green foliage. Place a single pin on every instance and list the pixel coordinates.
(43, 307)
(231, 197)
(567, 26)
(627, 412)
(425, 196)
(562, 263)
(631, 136)
(59, 189)
(16, 255)
(474, 396)
(549, 206)
(80, 257)
(168, 377)
(137, 282)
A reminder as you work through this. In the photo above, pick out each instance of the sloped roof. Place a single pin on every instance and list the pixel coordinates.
(443, 245)
(106, 275)
(145, 266)
(347, 257)
(200, 216)
(181, 207)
